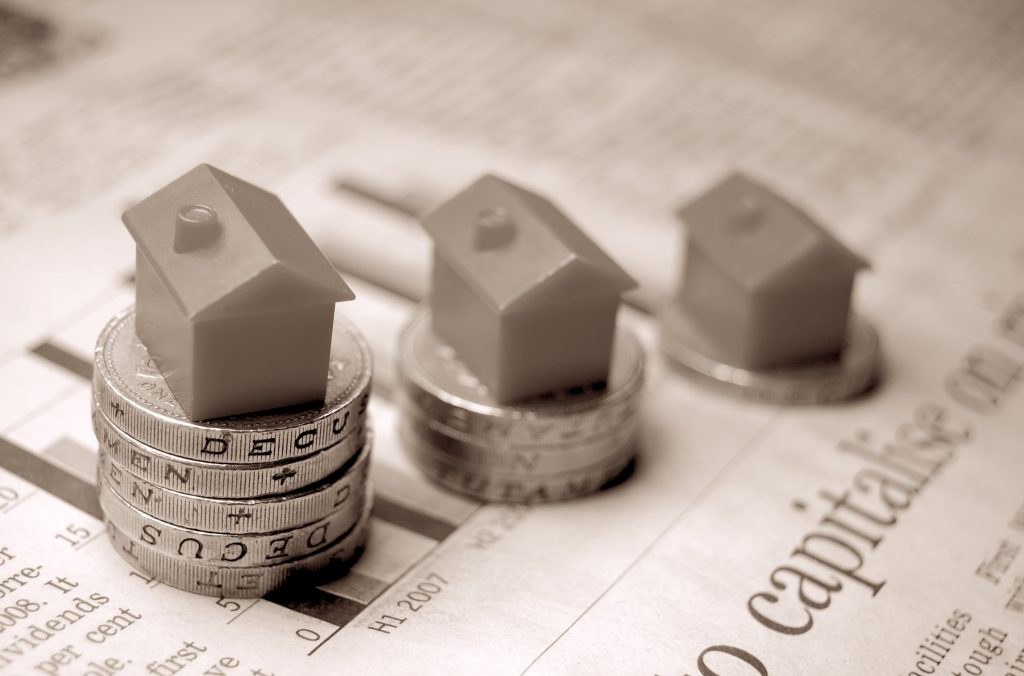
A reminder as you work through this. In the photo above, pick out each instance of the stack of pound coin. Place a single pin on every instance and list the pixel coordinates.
(555, 447)
(234, 506)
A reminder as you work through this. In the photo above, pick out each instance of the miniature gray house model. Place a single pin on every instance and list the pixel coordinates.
(527, 301)
(766, 285)
(234, 301)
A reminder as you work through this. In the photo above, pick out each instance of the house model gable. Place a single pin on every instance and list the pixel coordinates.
(222, 246)
(761, 240)
(516, 249)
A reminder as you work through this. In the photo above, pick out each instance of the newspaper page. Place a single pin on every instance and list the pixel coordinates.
(878, 536)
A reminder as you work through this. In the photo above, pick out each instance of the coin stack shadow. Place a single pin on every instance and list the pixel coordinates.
(562, 446)
(236, 506)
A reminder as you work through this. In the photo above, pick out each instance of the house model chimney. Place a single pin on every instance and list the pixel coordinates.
(195, 227)
(494, 229)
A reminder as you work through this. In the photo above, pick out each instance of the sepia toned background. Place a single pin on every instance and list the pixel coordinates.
(900, 126)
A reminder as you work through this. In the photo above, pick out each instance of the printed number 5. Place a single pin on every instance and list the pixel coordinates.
(232, 606)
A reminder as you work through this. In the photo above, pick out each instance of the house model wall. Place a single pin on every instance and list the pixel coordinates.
(524, 297)
(234, 301)
(766, 285)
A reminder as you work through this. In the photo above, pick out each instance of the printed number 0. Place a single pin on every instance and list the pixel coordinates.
(308, 634)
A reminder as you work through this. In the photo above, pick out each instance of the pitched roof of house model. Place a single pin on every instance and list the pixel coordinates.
(224, 247)
(517, 250)
(760, 239)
